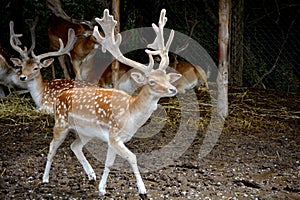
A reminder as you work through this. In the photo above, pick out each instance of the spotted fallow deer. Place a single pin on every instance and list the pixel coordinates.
(9, 74)
(44, 93)
(58, 25)
(110, 114)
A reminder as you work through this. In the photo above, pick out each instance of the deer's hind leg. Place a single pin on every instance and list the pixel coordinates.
(76, 147)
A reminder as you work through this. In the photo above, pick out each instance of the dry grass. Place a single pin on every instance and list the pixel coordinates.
(252, 110)
(18, 109)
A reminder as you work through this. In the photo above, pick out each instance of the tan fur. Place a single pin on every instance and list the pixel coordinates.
(192, 76)
(85, 43)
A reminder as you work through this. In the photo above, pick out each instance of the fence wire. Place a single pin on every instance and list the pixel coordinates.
(272, 48)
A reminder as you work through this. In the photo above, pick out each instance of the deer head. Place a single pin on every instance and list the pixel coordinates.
(30, 66)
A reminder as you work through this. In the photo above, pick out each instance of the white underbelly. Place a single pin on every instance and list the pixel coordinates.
(88, 127)
(91, 132)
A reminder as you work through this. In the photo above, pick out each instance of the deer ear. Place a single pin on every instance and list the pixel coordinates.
(138, 77)
(47, 62)
(174, 77)
(16, 61)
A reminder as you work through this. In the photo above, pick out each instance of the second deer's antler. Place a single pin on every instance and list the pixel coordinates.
(62, 50)
(14, 38)
(14, 41)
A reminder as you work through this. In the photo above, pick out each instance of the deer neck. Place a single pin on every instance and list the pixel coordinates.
(143, 105)
(36, 88)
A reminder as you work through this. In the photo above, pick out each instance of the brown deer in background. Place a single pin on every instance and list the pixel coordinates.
(58, 26)
(111, 114)
(192, 75)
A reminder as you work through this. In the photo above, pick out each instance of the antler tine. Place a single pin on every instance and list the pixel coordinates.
(32, 24)
(159, 44)
(111, 42)
(14, 41)
(62, 49)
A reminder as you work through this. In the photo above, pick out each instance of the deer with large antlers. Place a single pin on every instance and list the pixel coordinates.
(111, 114)
(9, 74)
(58, 25)
(44, 93)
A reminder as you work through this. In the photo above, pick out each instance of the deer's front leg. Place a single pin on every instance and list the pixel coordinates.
(110, 159)
(59, 135)
(125, 153)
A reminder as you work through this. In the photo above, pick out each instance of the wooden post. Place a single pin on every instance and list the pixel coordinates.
(223, 56)
(115, 64)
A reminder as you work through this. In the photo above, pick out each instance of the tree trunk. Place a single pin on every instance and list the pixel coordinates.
(115, 65)
(237, 31)
(223, 56)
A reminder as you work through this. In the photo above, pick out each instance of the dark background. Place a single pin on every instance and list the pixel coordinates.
(270, 34)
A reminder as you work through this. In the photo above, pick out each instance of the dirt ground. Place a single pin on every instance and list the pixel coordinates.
(256, 157)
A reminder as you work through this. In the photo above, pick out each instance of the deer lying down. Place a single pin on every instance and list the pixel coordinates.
(192, 76)
(110, 114)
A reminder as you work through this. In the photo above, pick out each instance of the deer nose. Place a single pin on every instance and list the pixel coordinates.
(172, 90)
(23, 78)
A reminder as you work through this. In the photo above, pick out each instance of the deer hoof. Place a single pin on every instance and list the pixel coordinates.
(102, 192)
(92, 177)
(143, 196)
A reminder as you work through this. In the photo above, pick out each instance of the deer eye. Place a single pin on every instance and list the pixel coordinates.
(36, 68)
(152, 82)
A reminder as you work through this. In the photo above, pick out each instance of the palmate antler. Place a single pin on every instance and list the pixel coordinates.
(111, 42)
(159, 44)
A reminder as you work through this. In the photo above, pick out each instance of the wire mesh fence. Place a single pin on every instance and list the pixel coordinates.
(272, 47)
